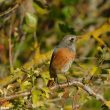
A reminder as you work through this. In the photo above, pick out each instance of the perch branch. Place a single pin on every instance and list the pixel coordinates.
(63, 85)
(81, 85)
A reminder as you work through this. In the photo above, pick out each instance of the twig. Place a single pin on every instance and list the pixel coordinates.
(10, 43)
(53, 100)
(10, 10)
(10, 53)
(14, 96)
(76, 107)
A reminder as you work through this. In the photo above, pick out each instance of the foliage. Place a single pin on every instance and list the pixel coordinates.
(30, 29)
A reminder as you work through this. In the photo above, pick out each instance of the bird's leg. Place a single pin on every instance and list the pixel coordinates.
(57, 82)
(56, 79)
(66, 78)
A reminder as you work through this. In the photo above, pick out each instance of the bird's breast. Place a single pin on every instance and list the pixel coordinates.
(63, 59)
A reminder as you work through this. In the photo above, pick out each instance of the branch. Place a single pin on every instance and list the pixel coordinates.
(10, 46)
(2, 100)
(63, 85)
(81, 85)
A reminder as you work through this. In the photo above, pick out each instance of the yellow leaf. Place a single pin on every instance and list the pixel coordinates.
(99, 49)
(68, 107)
(6, 105)
(97, 32)
(35, 97)
(93, 71)
(107, 104)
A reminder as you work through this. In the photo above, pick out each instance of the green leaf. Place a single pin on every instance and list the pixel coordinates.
(45, 76)
(66, 29)
(68, 11)
(70, 2)
(104, 71)
(39, 9)
(36, 98)
(26, 85)
(46, 90)
(31, 20)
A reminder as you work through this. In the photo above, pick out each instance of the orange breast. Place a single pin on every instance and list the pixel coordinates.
(61, 57)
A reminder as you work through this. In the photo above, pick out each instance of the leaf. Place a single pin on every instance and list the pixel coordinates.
(31, 20)
(36, 98)
(104, 71)
(104, 107)
(97, 32)
(2, 1)
(95, 70)
(68, 12)
(99, 49)
(41, 3)
(45, 76)
(6, 106)
(31, 23)
(107, 103)
(70, 2)
(66, 29)
(46, 90)
(26, 85)
(39, 9)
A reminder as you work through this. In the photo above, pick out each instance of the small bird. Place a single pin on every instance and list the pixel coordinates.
(62, 57)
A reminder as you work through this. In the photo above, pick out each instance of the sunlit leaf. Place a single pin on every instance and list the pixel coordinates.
(108, 104)
(39, 9)
(46, 90)
(68, 12)
(36, 98)
(31, 21)
(26, 85)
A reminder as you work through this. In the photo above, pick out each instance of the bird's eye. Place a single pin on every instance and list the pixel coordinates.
(72, 39)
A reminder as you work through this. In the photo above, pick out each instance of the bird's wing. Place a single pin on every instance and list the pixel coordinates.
(51, 69)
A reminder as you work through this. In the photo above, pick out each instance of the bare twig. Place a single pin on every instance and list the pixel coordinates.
(11, 9)
(14, 96)
(76, 107)
(10, 53)
(10, 43)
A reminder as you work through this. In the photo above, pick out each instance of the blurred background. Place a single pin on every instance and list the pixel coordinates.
(29, 31)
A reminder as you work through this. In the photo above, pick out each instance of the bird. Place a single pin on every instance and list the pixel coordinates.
(62, 58)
